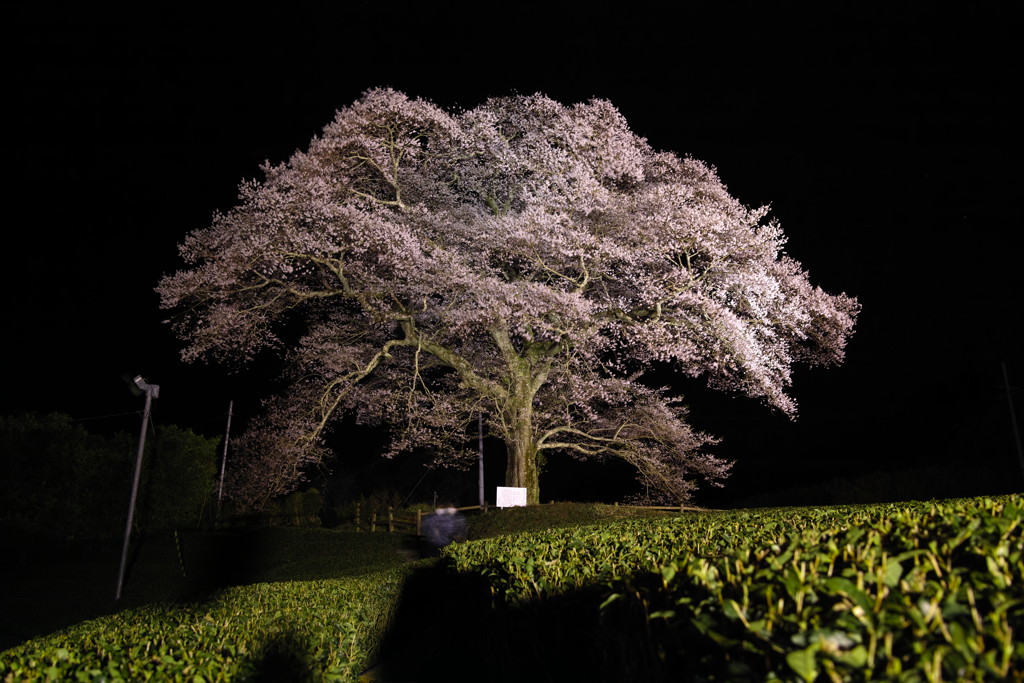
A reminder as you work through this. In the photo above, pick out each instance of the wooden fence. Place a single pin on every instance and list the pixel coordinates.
(413, 519)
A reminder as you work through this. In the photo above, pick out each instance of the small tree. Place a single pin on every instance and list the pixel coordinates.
(47, 468)
(180, 483)
(60, 480)
(523, 259)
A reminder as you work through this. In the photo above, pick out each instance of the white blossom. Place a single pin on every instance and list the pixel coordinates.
(524, 259)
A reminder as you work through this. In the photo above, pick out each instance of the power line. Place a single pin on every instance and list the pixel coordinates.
(137, 412)
(383, 459)
(429, 470)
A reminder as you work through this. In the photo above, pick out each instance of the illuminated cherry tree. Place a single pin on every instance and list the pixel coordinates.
(524, 260)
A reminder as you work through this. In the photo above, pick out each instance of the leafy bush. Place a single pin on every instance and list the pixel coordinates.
(300, 508)
(912, 592)
(60, 480)
(180, 479)
(312, 630)
(295, 509)
(330, 622)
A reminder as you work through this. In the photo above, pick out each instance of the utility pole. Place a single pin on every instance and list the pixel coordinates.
(224, 460)
(152, 391)
(480, 423)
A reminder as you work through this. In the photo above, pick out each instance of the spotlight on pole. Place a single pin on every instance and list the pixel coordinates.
(152, 391)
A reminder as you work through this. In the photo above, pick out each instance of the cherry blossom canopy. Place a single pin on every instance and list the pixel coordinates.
(524, 259)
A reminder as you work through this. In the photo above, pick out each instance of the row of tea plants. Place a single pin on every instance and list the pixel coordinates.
(319, 608)
(912, 591)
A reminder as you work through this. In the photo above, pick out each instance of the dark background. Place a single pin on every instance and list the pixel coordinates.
(883, 142)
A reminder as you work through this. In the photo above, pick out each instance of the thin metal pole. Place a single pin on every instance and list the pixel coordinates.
(150, 392)
(481, 426)
(1013, 418)
(224, 460)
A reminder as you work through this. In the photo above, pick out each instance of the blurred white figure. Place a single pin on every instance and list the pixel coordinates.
(446, 525)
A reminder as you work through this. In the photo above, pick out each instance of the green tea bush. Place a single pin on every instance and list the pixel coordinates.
(315, 602)
(499, 522)
(908, 592)
(313, 630)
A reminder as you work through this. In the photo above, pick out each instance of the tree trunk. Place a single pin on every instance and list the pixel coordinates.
(525, 378)
(522, 455)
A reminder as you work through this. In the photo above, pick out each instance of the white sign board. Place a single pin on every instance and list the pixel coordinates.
(510, 497)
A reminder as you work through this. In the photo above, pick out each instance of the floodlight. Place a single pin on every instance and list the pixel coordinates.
(145, 386)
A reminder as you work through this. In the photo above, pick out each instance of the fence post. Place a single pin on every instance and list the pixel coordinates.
(391, 521)
(419, 516)
(680, 508)
(357, 517)
(373, 522)
(485, 507)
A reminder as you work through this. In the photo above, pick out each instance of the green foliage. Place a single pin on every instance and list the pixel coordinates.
(303, 507)
(318, 599)
(311, 553)
(344, 514)
(327, 630)
(295, 509)
(312, 502)
(906, 592)
(498, 522)
(61, 481)
(180, 471)
(381, 500)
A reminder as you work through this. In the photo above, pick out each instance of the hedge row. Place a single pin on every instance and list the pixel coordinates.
(280, 631)
(909, 592)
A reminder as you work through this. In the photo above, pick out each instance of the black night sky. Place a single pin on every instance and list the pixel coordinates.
(884, 143)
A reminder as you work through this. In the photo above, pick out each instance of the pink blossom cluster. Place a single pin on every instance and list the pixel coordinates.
(525, 260)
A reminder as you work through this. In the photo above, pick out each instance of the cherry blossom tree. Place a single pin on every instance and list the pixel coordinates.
(524, 260)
